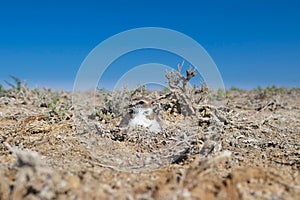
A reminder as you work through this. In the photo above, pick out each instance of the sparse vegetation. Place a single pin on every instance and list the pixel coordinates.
(2, 91)
(244, 149)
(16, 85)
(114, 104)
(59, 106)
(233, 88)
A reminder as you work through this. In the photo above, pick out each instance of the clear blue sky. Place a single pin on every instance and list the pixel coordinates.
(254, 43)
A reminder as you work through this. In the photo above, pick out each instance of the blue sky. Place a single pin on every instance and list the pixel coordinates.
(254, 43)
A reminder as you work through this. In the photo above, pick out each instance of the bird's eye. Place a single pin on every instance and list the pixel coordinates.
(141, 102)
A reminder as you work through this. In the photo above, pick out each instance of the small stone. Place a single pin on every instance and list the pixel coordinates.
(73, 182)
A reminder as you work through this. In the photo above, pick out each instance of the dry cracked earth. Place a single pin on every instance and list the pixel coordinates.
(254, 154)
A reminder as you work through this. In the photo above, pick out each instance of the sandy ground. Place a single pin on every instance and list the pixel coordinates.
(252, 153)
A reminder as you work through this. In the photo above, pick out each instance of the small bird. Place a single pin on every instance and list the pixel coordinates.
(141, 113)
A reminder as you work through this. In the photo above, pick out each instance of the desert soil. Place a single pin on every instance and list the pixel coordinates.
(255, 153)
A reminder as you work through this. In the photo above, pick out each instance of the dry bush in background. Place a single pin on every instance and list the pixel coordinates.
(188, 97)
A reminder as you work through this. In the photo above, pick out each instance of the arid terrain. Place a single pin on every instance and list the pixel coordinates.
(247, 146)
